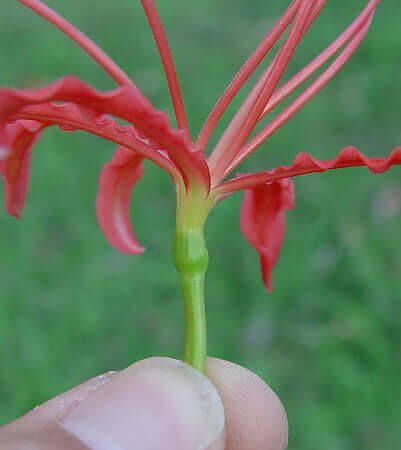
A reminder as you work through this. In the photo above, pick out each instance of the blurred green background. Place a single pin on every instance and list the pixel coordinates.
(327, 340)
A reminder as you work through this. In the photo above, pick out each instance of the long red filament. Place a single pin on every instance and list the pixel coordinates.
(167, 58)
(81, 39)
(305, 97)
(245, 72)
(224, 154)
(320, 60)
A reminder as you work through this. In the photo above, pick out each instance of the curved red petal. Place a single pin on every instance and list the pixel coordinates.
(127, 103)
(71, 117)
(116, 183)
(263, 221)
(15, 168)
(304, 164)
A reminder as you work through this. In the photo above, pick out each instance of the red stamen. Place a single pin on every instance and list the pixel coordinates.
(241, 116)
(245, 72)
(167, 58)
(227, 141)
(305, 97)
(81, 39)
(320, 60)
(224, 153)
(278, 69)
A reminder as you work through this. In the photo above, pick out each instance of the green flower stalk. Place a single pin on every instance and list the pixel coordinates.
(191, 260)
(199, 178)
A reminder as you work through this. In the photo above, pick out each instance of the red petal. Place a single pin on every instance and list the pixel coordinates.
(127, 103)
(113, 203)
(263, 221)
(71, 117)
(15, 169)
(305, 164)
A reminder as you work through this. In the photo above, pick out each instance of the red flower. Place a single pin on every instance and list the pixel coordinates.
(73, 105)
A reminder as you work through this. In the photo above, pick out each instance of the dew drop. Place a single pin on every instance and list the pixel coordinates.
(67, 127)
(103, 120)
(4, 152)
(123, 130)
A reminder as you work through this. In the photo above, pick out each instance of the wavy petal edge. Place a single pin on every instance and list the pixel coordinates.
(127, 103)
(305, 164)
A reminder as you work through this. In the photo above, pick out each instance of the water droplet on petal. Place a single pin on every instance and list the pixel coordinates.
(4, 152)
(67, 127)
(123, 129)
(103, 120)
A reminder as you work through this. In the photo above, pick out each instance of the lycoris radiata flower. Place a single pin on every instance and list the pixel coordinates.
(201, 181)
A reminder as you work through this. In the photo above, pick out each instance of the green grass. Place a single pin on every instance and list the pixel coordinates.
(327, 340)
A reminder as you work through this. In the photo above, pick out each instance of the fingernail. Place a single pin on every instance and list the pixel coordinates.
(159, 403)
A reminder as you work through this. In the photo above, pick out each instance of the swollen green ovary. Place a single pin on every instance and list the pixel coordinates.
(191, 260)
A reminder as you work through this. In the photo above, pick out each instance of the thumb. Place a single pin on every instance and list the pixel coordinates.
(157, 403)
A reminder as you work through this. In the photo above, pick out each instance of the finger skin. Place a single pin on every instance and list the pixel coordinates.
(255, 417)
(155, 404)
(39, 429)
